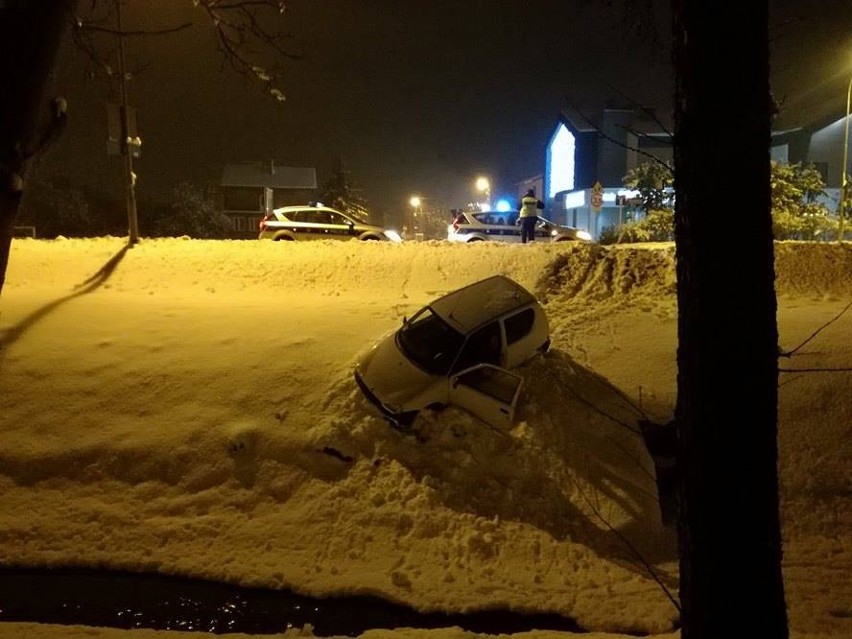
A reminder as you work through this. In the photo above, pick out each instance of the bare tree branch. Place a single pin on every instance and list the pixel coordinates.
(143, 32)
(592, 124)
(245, 38)
(245, 31)
(651, 113)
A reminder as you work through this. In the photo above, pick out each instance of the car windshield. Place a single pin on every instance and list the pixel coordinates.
(430, 342)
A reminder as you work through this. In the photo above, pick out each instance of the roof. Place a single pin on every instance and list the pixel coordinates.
(271, 175)
(475, 304)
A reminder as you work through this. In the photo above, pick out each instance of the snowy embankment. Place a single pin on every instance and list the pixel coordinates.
(188, 407)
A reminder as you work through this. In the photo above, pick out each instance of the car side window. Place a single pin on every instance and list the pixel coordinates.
(336, 218)
(319, 217)
(495, 382)
(519, 325)
(482, 347)
(297, 216)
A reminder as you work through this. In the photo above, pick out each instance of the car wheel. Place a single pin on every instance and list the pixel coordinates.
(474, 239)
(283, 238)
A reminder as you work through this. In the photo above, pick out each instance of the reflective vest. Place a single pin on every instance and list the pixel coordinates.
(529, 206)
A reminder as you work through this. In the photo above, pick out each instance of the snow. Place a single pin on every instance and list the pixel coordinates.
(188, 407)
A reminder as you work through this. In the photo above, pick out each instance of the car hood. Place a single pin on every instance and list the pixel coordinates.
(392, 378)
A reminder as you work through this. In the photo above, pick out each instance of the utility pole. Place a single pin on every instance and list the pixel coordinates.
(125, 143)
(844, 182)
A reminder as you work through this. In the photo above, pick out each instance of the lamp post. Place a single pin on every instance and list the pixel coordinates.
(126, 144)
(415, 203)
(482, 184)
(844, 182)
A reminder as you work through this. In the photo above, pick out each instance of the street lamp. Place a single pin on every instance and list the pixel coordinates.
(482, 184)
(844, 182)
(415, 203)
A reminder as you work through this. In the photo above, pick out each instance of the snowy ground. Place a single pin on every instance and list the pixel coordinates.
(188, 407)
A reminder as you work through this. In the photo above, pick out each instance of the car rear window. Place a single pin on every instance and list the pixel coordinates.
(519, 325)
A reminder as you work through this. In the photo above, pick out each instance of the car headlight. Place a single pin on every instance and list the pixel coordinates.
(393, 236)
(554, 233)
(584, 235)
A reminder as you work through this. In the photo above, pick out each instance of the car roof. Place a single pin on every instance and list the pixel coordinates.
(477, 303)
(302, 207)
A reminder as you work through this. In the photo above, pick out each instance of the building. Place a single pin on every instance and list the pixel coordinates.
(587, 158)
(250, 190)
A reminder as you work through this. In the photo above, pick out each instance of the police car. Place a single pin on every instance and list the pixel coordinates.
(502, 227)
(290, 223)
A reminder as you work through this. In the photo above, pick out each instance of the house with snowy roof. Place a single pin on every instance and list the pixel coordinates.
(250, 190)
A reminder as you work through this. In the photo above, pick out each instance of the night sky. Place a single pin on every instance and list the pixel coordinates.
(417, 96)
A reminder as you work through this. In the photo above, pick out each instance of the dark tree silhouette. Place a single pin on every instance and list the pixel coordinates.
(728, 520)
(339, 192)
(30, 33)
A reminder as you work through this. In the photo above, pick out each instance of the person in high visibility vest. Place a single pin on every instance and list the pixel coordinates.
(528, 215)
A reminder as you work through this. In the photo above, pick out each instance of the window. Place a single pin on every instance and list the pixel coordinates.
(519, 325)
(242, 199)
(297, 216)
(482, 347)
(337, 218)
(429, 342)
(319, 217)
(494, 382)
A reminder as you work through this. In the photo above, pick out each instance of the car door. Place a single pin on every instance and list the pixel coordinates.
(317, 226)
(488, 392)
(297, 224)
(340, 227)
(506, 232)
(499, 228)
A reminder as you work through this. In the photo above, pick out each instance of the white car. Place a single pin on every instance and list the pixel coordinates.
(457, 350)
(289, 223)
(502, 227)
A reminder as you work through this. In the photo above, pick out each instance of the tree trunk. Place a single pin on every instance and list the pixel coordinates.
(31, 33)
(728, 506)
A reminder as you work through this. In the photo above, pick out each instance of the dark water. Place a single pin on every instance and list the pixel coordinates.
(130, 600)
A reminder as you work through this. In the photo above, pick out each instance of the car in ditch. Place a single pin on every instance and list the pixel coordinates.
(289, 223)
(473, 226)
(458, 350)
